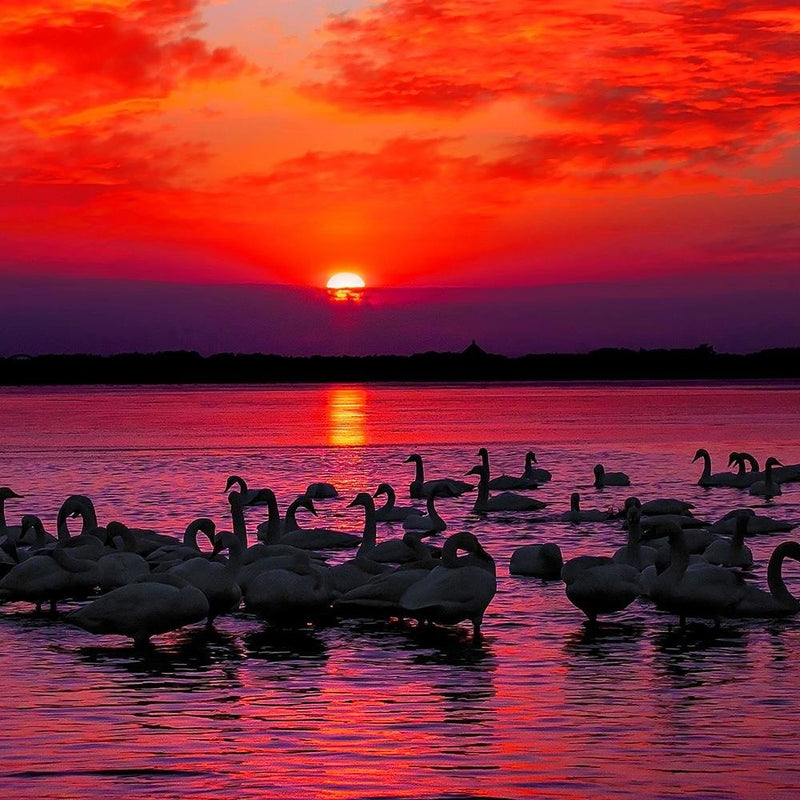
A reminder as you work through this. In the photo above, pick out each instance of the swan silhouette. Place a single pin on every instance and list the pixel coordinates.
(446, 487)
(168, 556)
(604, 589)
(316, 538)
(707, 478)
(757, 524)
(124, 566)
(152, 605)
(389, 512)
(505, 482)
(733, 553)
(769, 487)
(429, 523)
(576, 515)
(743, 461)
(249, 497)
(603, 478)
(537, 560)
(459, 588)
(778, 601)
(634, 553)
(666, 506)
(12, 531)
(505, 501)
(704, 590)
(321, 491)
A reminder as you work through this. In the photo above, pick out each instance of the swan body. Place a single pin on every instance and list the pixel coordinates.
(666, 505)
(634, 553)
(321, 491)
(575, 514)
(12, 531)
(604, 589)
(390, 512)
(446, 487)
(391, 551)
(429, 523)
(733, 552)
(152, 605)
(577, 564)
(171, 555)
(757, 524)
(769, 487)
(537, 560)
(778, 601)
(125, 566)
(459, 588)
(248, 497)
(706, 591)
(603, 478)
(505, 501)
(380, 596)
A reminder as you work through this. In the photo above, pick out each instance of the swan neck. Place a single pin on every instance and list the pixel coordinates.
(3, 512)
(483, 488)
(391, 498)
(432, 512)
(775, 581)
(273, 520)
(485, 459)
(370, 536)
(238, 523)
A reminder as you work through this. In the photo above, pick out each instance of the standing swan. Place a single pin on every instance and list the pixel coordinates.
(421, 489)
(459, 588)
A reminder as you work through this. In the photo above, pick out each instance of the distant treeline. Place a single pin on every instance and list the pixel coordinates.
(473, 364)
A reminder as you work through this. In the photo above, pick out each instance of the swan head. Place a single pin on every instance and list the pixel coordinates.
(772, 462)
(479, 470)
(224, 540)
(531, 456)
(30, 521)
(7, 494)
(575, 501)
(203, 525)
(483, 452)
(383, 488)
(734, 458)
(633, 511)
(413, 457)
(234, 480)
(304, 501)
(361, 499)
(701, 453)
(599, 470)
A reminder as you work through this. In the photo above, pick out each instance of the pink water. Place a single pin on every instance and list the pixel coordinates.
(543, 707)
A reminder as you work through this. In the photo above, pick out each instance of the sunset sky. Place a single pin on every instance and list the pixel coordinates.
(606, 151)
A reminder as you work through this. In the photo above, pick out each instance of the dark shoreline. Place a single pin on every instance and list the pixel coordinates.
(471, 365)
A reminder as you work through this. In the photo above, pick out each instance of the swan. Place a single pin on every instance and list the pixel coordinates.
(124, 566)
(421, 489)
(743, 460)
(390, 512)
(778, 601)
(577, 564)
(509, 481)
(733, 553)
(50, 577)
(426, 524)
(634, 553)
(576, 515)
(274, 527)
(217, 581)
(250, 497)
(168, 556)
(603, 478)
(704, 590)
(604, 589)
(153, 604)
(12, 531)
(459, 588)
(290, 593)
(707, 478)
(769, 487)
(505, 501)
(667, 505)
(535, 474)
(314, 538)
(33, 534)
(537, 560)
(321, 491)
(757, 524)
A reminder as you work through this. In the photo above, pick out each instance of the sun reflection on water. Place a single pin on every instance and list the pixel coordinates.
(346, 417)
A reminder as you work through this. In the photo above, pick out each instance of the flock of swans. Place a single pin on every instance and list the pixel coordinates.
(139, 583)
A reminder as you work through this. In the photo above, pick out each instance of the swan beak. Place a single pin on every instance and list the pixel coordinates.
(354, 502)
(12, 493)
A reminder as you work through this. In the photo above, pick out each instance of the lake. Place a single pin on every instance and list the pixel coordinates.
(543, 706)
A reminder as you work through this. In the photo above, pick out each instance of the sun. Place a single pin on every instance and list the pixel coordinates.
(346, 287)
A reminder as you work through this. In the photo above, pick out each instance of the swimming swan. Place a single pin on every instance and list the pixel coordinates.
(707, 478)
(429, 523)
(321, 491)
(769, 487)
(421, 489)
(576, 515)
(603, 478)
(505, 501)
(504, 482)
(460, 588)
(12, 531)
(249, 497)
(634, 553)
(152, 605)
(733, 552)
(778, 601)
(604, 589)
(389, 512)
(538, 561)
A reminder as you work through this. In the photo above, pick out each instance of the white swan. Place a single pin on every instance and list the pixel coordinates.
(124, 566)
(778, 601)
(537, 560)
(446, 487)
(733, 552)
(152, 605)
(429, 523)
(504, 482)
(249, 497)
(459, 588)
(321, 491)
(707, 478)
(50, 578)
(634, 553)
(505, 501)
(604, 589)
(389, 512)
(12, 531)
(769, 487)
(603, 478)
(704, 590)
(576, 515)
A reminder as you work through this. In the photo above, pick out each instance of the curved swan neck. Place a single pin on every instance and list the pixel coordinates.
(419, 474)
(237, 519)
(431, 507)
(706, 463)
(370, 536)
(777, 586)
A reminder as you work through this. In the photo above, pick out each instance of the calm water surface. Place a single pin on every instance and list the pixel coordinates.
(542, 707)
